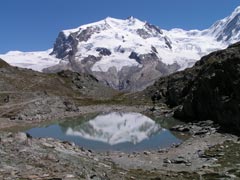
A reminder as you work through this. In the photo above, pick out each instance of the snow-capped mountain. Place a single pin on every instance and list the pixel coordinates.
(31, 60)
(112, 41)
(125, 54)
(131, 54)
(117, 127)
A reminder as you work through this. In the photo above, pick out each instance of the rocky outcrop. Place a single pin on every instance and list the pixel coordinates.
(3, 63)
(30, 95)
(104, 51)
(209, 90)
(64, 45)
(133, 78)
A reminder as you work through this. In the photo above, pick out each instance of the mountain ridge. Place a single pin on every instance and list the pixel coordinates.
(130, 54)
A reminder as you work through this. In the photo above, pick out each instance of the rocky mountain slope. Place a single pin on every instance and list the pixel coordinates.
(129, 54)
(208, 90)
(26, 94)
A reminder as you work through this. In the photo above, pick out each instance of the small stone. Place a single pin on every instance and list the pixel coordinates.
(146, 152)
(45, 175)
(215, 165)
(179, 160)
(165, 165)
(9, 135)
(48, 145)
(67, 143)
(167, 161)
(69, 176)
(95, 177)
(201, 132)
(95, 159)
(89, 150)
(205, 165)
(188, 164)
(221, 154)
(162, 150)
(21, 137)
(33, 177)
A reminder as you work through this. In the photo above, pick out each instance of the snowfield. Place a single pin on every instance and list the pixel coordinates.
(30, 60)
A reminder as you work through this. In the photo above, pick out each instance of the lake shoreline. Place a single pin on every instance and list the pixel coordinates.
(187, 160)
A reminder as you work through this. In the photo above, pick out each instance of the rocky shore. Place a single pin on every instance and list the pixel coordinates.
(203, 155)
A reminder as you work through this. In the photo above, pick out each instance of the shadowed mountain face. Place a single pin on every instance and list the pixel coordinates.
(209, 90)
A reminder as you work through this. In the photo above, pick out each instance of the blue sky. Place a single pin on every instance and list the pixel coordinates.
(30, 25)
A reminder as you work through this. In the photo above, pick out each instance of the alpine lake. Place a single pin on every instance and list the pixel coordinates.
(113, 131)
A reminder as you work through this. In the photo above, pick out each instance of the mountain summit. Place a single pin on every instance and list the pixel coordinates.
(131, 54)
(114, 42)
(126, 54)
(228, 29)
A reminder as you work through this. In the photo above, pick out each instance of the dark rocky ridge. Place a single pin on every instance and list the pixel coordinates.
(3, 64)
(30, 95)
(209, 90)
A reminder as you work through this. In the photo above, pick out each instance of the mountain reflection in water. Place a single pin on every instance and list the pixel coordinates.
(116, 127)
(112, 131)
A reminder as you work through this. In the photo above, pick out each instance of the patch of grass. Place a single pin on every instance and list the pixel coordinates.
(228, 155)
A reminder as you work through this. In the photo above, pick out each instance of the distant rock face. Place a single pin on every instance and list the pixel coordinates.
(209, 90)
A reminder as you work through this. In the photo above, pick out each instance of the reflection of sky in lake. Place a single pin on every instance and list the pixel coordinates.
(112, 131)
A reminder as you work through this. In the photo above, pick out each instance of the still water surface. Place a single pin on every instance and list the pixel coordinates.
(112, 131)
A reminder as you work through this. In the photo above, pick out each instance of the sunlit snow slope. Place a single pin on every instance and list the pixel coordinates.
(31, 60)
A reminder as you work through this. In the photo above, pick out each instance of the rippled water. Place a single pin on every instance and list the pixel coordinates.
(112, 131)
